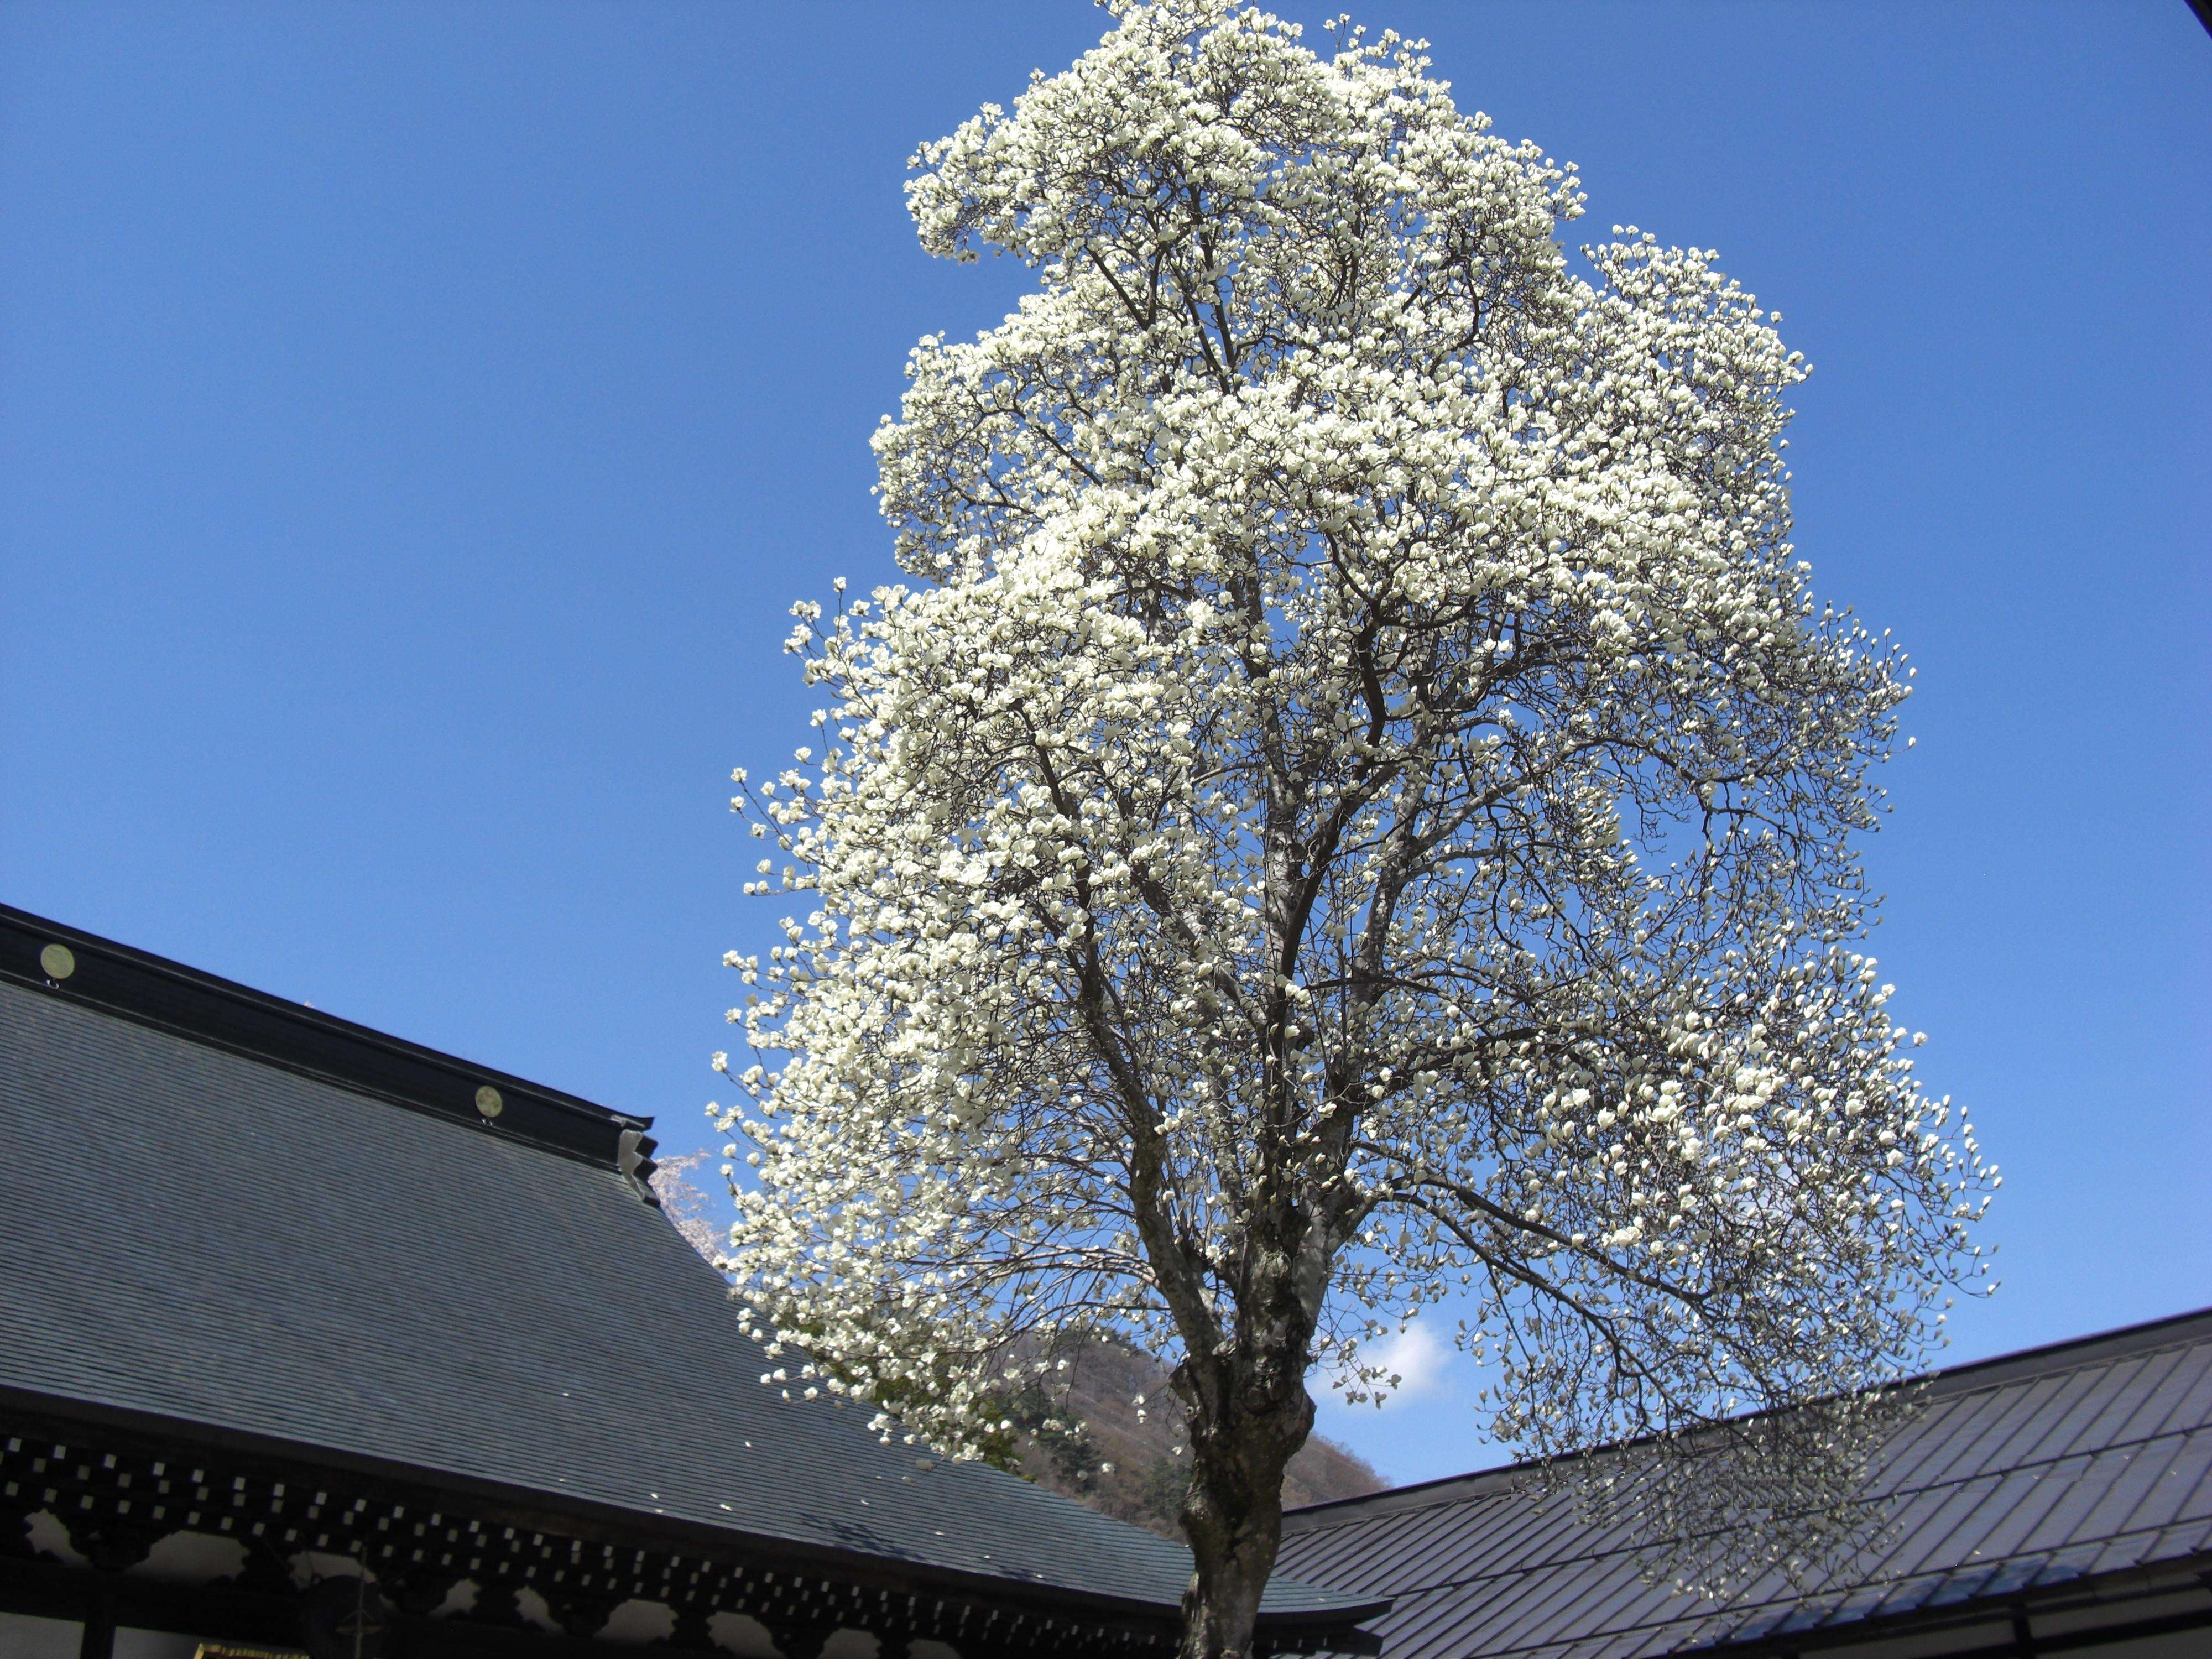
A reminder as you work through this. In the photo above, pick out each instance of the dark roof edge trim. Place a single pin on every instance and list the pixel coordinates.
(2114, 1590)
(1950, 1381)
(675, 1532)
(219, 1013)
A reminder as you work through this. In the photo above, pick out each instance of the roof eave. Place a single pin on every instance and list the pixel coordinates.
(553, 1510)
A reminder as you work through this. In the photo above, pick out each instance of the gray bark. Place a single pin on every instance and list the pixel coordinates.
(1232, 1515)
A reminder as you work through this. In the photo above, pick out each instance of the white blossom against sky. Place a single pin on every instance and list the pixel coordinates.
(413, 426)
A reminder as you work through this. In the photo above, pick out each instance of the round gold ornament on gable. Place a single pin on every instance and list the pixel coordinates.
(489, 1103)
(58, 960)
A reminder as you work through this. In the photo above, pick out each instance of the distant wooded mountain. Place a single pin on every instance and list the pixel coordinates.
(1121, 1458)
(1144, 1445)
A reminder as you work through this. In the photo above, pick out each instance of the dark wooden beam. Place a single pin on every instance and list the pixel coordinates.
(98, 1641)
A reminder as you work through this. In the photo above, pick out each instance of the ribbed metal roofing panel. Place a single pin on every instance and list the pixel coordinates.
(1995, 1422)
(2170, 1396)
(2020, 1474)
(2070, 1413)
(2142, 1406)
(2032, 1499)
(197, 1236)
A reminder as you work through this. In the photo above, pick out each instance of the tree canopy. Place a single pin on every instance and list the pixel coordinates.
(1354, 812)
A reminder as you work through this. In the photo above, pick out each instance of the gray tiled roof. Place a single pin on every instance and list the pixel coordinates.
(208, 1236)
(2013, 1476)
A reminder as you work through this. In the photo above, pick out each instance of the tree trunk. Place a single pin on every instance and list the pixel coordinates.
(1232, 1515)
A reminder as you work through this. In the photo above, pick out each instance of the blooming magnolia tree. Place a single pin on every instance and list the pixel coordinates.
(1355, 811)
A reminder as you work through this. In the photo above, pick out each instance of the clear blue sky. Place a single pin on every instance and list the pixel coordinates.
(414, 421)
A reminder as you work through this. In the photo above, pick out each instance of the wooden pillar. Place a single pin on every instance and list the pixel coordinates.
(98, 1641)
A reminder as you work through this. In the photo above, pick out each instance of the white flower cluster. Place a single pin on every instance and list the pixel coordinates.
(1356, 809)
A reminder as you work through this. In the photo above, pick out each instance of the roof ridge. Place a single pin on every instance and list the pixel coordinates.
(2122, 1342)
(72, 965)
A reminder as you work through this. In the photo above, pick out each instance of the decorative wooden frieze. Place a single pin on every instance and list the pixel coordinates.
(102, 1501)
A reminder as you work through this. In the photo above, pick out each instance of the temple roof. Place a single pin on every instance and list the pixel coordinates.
(2062, 1478)
(253, 1220)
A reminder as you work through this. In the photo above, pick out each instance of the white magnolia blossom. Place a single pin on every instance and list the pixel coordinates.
(1354, 812)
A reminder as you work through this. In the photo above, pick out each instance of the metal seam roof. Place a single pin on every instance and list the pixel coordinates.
(2037, 1469)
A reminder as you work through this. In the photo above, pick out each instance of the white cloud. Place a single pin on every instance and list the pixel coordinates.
(1418, 1359)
